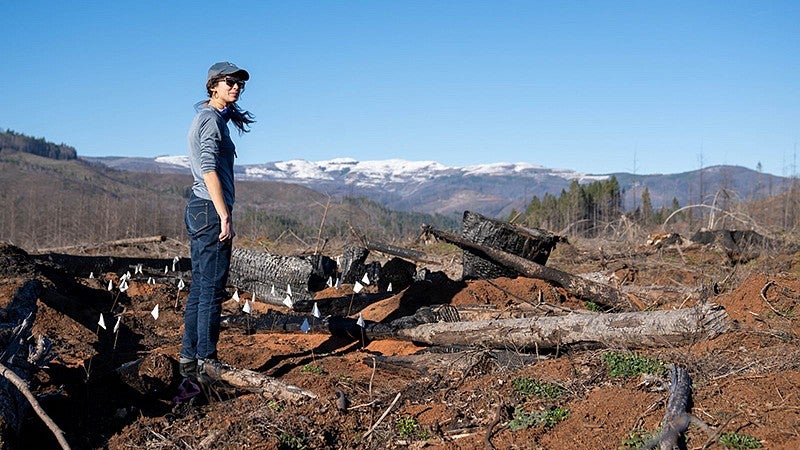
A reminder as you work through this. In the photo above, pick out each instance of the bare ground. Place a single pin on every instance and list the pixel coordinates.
(745, 381)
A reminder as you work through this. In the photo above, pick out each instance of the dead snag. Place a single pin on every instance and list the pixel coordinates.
(601, 294)
(533, 244)
(260, 273)
(629, 330)
(676, 419)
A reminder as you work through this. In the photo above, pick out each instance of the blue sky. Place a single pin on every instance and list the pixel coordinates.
(593, 86)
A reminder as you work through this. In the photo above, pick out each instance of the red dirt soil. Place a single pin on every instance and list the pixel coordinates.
(745, 381)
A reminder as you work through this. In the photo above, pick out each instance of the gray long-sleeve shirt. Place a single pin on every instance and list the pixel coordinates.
(211, 149)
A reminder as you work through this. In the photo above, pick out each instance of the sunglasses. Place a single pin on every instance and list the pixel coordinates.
(233, 81)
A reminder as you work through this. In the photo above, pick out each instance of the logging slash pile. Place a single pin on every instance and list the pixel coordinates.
(496, 336)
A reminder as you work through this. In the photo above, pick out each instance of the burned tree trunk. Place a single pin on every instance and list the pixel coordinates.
(532, 244)
(601, 294)
(353, 264)
(630, 330)
(259, 273)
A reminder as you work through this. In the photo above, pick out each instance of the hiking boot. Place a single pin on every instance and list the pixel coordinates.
(210, 369)
(188, 368)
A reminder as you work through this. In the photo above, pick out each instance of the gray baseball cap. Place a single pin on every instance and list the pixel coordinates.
(226, 68)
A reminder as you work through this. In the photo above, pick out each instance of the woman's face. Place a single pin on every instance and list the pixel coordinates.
(227, 90)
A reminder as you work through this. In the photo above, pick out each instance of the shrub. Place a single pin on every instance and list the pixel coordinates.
(628, 365)
(528, 386)
(739, 441)
(548, 419)
(312, 368)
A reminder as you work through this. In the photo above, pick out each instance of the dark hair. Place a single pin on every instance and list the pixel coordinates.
(240, 118)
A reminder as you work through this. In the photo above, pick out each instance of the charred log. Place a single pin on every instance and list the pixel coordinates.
(260, 273)
(397, 272)
(83, 265)
(601, 294)
(533, 244)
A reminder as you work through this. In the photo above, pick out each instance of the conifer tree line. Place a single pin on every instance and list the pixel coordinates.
(11, 140)
(584, 210)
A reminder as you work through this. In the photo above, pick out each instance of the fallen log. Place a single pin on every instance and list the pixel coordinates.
(601, 294)
(83, 265)
(533, 244)
(628, 330)
(253, 381)
(263, 273)
(130, 241)
(404, 253)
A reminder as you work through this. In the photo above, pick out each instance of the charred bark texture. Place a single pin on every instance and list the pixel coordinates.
(601, 294)
(533, 244)
(353, 267)
(676, 419)
(629, 330)
(15, 330)
(259, 272)
(397, 272)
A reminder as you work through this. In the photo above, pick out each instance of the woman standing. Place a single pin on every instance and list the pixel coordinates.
(208, 216)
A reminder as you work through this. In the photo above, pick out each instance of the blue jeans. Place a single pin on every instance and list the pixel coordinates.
(211, 261)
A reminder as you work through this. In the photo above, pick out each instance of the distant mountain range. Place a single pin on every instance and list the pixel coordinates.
(492, 189)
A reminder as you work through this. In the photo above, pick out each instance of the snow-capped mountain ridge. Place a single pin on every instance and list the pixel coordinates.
(382, 171)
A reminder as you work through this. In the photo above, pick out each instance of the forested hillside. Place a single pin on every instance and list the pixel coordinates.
(13, 141)
(51, 203)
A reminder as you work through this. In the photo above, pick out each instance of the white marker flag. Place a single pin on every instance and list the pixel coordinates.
(102, 322)
(253, 297)
(305, 326)
(246, 307)
(128, 275)
(181, 285)
(110, 285)
(360, 321)
(174, 262)
(123, 286)
(138, 269)
(236, 295)
(166, 269)
(357, 287)
(272, 291)
(151, 281)
(154, 312)
(288, 289)
(116, 326)
(329, 283)
(365, 280)
(91, 275)
(389, 288)
(288, 302)
(315, 311)
(338, 283)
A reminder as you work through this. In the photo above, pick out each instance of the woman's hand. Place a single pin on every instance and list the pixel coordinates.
(226, 228)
